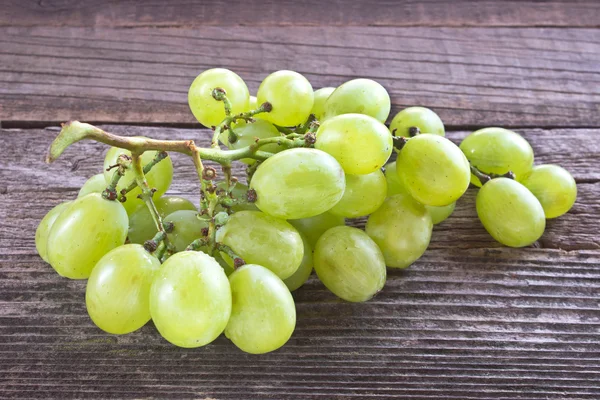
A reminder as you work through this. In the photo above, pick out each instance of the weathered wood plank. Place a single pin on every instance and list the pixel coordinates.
(470, 76)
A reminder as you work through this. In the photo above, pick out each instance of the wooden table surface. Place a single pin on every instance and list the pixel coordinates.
(470, 320)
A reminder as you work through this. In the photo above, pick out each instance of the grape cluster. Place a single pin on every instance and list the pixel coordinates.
(314, 158)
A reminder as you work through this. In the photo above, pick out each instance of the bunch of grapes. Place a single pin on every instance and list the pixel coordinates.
(314, 158)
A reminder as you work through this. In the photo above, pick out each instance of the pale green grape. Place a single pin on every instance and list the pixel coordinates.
(83, 233)
(497, 150)
(298, 183)
(247, 133)
(359, 96)
(363, 195)
(291, 96)
(253, 104)
(117, 293)
(401, 227)
(360, 143)
(187, 227)
(43, 229)
(349, 263)
(313, 227)
(207, 110)
(553, 186)
(261, 239)
(159, 177)
(301, 275)
(141, 223)
(263, 315)
(418, 117)
(96, 184)
(321, 97)
(510, 212)
(190, 299)
(433, 169)
(440, 214)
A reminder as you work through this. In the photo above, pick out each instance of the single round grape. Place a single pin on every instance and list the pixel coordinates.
(349, 263)
(440, 214)
(261, 239)
(205, 108)
(253, 104)
(187, 227)
(359, 96)
(321, 97)
(43, 229)
(497, 150)
(190, 299)
(247, 133)
(363, 195)
(117, 293)
(360, 143)
(159, 177)
(301, 275)
(83, 233)
(263, 315)
(433, 169)
(298, 183)
(313, 227)
(510, 212)
(291, 96)
(96, 184)
(402, 228)
(418, 117)
(394, 183)
(553, 186)
(141, 223)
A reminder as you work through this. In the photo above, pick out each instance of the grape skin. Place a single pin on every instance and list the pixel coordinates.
(43, 230)
(363, 195)
(554, 187)
(419, 117)
(247, 133)
(96, 184)
(359, 96)
(301, 275)
(313, 227)
(187, 227)
(321, 97)
(290, 95)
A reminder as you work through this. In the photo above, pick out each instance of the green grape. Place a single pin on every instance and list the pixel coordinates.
(321, 97)
(401, 227)
(263, 315)
(141, 223)
(247, 133)
(96, 184)
(261, 239)
(43, 229)
(117, 293)
(187, 227)
(418, 117)
(359, 96)
(190, 299)
(510, 212)
(313, 227)
(360, 143)
(159, 177)
(301, 275)
(253, 104)
(208, 111)
(83, 233)
(553, 186)
(291, 96)
(238, 192)
(433, 169)
(440, 214)
(363, 195)
(497, 151)
(298, 183)
(349, 263)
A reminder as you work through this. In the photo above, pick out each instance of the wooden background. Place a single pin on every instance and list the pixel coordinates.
(470, 320)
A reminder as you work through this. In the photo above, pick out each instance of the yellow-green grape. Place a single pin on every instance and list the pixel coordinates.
(247, 133)
(291, 96)
(261, 239)
(301, 275)
(159, 177)
(401, 227)
(510, 212)
(141, 224)
(363, 195)
(424, 119)
(349, 263)
(497, 151)
(433, 169)
(321, 97)
(360, 143)
(96, 184)
(263, 316)
(298, 183)
(187, 227)
(553, 186)
(313, 227)
(43, 229)
(253, 104)
(83, 233)
(207, 110)
(117, 293)
(359, 96)
(190, 299)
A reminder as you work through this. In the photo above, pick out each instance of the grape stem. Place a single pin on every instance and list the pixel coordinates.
(237, 260)
(123, 163)
(485, 178)
(161, 155)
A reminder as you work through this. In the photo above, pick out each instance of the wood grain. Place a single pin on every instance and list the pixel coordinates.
(472, 77)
